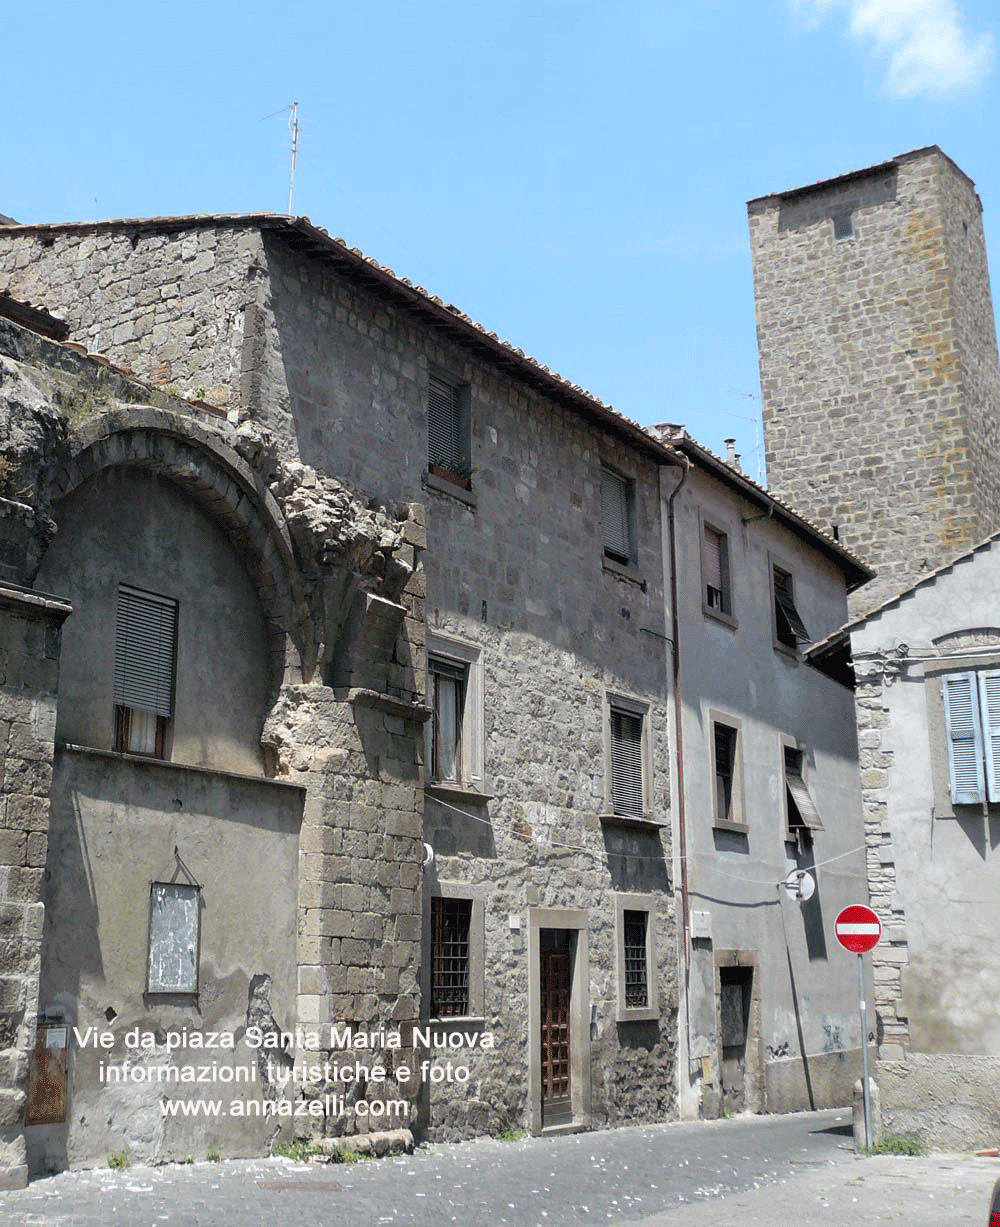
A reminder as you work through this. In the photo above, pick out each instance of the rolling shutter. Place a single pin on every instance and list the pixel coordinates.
(145, 645)
(713, 560)
(965, 748)
(626, 763)
(614, 509)
(443, 418)
(989, 706)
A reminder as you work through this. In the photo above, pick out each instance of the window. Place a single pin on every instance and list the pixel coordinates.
(627, 758)
(174, 937)
(717, 594)
(634, 917)
(454, 748)
(617, 510)
(801, 808)
(449, 446)
(843, 225)
(725, 773)
(145, 651)
(451, 925)
(789, 629)
(972, 722)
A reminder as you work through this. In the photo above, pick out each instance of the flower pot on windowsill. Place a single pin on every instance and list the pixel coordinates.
(456, 479)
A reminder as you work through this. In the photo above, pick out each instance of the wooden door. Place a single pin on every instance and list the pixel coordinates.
(556, 984)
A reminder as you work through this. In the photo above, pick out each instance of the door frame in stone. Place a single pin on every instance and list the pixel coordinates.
(755, 1100)
(576, 920)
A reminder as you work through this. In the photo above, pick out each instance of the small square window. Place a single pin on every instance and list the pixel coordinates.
(715, 571)
(449, 435)
(637, 983)
(145, 659)
(451, 926)
(843, 225)
(627, 765)
(789, 629)
(801, 808)
(174, 937)
(618, 515)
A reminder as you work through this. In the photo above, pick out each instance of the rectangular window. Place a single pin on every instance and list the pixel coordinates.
(145, 657)
(628, 796)
(448, 685)
(789, 629)
(174, 937)
(636, 972)
(617, 508)
(843, 225)
(726, 743)
(449, 446)
(451, 922)
(972, 720)
(715, 570)
(802, 811)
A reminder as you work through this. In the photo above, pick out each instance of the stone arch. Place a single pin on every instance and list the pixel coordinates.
(217, 478)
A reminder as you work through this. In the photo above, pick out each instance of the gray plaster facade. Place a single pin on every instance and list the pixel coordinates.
(880, 386)
(931, 860)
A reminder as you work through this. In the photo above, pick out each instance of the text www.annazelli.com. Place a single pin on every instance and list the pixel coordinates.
(327, 1105)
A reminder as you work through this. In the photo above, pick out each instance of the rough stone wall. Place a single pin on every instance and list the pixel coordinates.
(29, 670)
(878, 364)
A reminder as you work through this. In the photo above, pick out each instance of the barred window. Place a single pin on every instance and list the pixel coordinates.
(451, 921)
(636, 975)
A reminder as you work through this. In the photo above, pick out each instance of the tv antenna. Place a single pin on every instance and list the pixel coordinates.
(293, 128)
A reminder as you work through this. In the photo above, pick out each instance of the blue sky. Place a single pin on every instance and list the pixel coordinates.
(573, 175)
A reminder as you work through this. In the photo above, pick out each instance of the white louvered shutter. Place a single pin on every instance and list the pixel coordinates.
(965, 746)
(626, 763)
(443, 418)
(989, 708)
(614, 508)
(145, 643)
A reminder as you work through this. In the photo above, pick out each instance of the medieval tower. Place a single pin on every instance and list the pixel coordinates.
(880, 382)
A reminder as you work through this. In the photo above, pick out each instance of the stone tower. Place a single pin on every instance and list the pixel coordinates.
(878, 360)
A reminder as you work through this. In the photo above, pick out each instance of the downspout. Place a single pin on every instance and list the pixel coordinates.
(678, 720)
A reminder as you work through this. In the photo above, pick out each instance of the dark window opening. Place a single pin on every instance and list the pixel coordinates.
(802, 811)
(617, 495)
(636, 974)
(716, 570)
(789, 628)
(725, 772)
(451, 921)
(843, 225)
(448, 434)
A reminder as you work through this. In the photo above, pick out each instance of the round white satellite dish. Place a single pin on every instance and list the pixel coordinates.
(800, 885)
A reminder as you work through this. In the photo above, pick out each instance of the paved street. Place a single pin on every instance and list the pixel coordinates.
(615, 1176)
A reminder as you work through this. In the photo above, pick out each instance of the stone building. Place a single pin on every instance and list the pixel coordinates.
(463, 571)
(880, 386)
(766, 785)
(928, 670)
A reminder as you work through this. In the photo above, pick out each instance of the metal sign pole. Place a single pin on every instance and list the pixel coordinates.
(864, 1051)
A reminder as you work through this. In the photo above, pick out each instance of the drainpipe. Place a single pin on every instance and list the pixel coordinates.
(678, 718)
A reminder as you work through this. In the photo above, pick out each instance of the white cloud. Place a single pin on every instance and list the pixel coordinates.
(929, 51)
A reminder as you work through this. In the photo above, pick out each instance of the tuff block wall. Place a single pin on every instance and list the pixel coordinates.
(29, 669)
(880, 383)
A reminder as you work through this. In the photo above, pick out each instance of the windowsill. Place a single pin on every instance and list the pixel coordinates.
(719, 615)
(740, 828)
(631, 820)
(624, 570)
(463, 791)
(784, 650)
(160, 763)
(646, 1014)
(440, 485)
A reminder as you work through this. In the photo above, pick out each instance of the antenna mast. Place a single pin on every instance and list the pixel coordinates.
(293, 123)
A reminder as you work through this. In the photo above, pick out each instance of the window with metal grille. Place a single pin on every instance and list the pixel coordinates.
(725, 772)
(636, 973)
(802, 811)
(145, 655)
(788, 626)
(448, 689)
(715, 564)
(451, 921)
(448, 435)
(617, 495)
(627, 786)
(972, 721)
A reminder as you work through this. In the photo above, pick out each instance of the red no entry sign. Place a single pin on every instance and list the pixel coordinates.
(858, 928)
